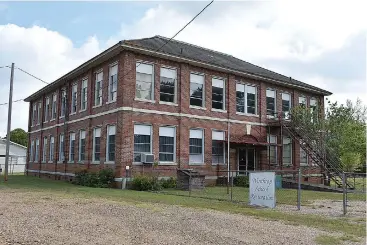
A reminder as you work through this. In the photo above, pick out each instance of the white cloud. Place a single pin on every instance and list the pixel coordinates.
(255, 32)
(44, 53)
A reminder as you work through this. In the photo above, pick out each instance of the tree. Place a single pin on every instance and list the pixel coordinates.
(19, 136)
(343, 126)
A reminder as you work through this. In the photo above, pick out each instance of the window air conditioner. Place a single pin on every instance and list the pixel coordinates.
(147, 158)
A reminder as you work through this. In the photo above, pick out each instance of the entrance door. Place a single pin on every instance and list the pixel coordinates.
(246, 160)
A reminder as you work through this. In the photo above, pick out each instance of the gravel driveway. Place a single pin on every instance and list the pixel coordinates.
(36, 218)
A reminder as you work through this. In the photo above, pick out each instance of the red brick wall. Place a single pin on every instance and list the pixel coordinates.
(124, 120)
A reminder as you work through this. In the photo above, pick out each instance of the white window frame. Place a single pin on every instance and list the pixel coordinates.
(313, 104)
(291, 151)
(44, 149)
(52, 149)
(175, 84)
(71, 138)
(245, 90)
(47, 108)
(74, 98)
(84, 95)
(223, 81)
(108, 142)
(138, 64)
(203, 92)
(174, 144)
(192, 131)
(37, 153)
(301, 99)
(100, 90)
(80, 145)
(151, 140)
(219, 135)
(54, 107)
(39, 113)
(110, 84)
(273, 139)
(94, 144)
(34, 114)
(63, 103)
(270, 90)
(286, 114)
(61, 148)
(31, 155)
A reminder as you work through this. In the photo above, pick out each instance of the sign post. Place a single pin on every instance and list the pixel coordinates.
(262, 189)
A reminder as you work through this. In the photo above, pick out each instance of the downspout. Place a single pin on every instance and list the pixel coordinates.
(66, 116)
(229, 135)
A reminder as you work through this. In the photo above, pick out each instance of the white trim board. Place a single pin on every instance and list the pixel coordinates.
(48, 172)
(148, 111)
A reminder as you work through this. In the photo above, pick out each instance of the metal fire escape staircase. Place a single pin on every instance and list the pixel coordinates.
(321, 155)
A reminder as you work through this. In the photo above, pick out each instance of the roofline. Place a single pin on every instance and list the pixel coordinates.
(71, 73)
(11, 142)
(267, 79)
(151, 52)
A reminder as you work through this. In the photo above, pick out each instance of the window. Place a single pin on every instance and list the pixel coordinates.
(36, 155)
(218, 147)
(98, 89)
(287, 151)
(197, 90)
(112, 85)
(144, 81)
(44, 149)
(196, 146)
(39, 112)
(34, 114)
(142, 141)
(63, 103)
(303, 155)
(246, 98)
(272, 150)
(111, 140)
(167, 144)
(74, 97)
(52, 145)
(286, 105)
(313, 109)
(47, 108)
(54, 104)
(71, 147)
(302, 101)
(168, 85)
(218, 101)
(61, 147)
(96, 144)
(84, 95)
(31, 154)
(82, 145)
(270, 102)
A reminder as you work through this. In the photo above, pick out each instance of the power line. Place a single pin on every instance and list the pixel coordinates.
(188, 23)
(12, 101)
(31, 75)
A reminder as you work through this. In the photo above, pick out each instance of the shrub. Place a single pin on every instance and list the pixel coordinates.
(103, 179)
(242, 181)
(168, 183)
(146, 183)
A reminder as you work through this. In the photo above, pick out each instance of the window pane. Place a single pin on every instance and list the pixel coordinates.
(163, 157)
(196, 94)
(167, 89)
(240, 100)
(217, 98)
(270, 106)
(251, 103)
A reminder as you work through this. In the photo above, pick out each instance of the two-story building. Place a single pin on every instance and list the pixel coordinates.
(178, 105)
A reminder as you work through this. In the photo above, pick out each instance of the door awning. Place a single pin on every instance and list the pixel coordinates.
(248, 140)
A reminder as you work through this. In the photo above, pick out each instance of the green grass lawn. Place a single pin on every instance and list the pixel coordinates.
(283, 196)
(66, 190)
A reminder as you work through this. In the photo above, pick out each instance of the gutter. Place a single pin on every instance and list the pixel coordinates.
(215, 67)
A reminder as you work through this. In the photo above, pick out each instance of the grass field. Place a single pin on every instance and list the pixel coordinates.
(283, 196)
(67, 190)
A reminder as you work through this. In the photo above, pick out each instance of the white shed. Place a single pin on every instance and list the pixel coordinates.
(17, 159)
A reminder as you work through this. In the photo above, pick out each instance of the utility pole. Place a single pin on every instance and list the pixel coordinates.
(9, 123)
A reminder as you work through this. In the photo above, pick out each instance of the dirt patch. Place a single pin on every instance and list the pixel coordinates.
(36, 218)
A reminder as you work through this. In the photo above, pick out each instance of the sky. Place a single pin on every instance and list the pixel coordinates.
(322, 43)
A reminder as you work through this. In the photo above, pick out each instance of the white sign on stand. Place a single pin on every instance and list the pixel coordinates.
(262, 189)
